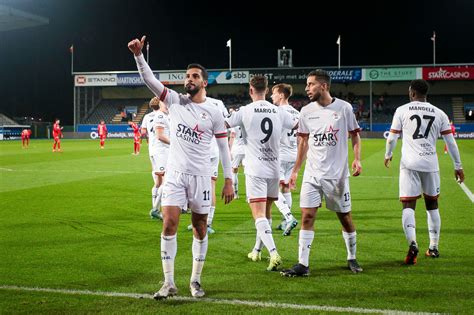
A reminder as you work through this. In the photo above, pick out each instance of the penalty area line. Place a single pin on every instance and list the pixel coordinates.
(214, 301)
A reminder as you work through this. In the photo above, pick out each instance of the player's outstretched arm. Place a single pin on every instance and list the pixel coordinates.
(455, 156)
(166, 95)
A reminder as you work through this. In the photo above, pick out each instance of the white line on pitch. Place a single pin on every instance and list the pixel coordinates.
(467, 191)
(217, 301)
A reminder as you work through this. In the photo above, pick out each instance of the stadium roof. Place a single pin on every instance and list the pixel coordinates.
(12, 19)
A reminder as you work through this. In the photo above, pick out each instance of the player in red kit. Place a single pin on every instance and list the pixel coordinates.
(57, 135)
(136, 137)
(453, 130)
(102, 131)
(25, 137)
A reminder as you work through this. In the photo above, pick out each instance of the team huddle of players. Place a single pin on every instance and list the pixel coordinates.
(193, 124)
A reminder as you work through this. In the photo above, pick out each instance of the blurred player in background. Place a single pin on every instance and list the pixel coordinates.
(421, 123)
(288, 149)
(57, 135)
(237, 148)
(136, 137)
(156, 126)
(25, 137)
(102, 131)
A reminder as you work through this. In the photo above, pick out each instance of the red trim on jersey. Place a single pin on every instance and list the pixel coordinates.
(410, 198)
(431, 197)
(446, 132)
(252, 200)
(352, 132)
(221, 135)
(395, 131)
(163, 94)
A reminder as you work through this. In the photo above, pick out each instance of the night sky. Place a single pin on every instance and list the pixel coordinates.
(35, 62)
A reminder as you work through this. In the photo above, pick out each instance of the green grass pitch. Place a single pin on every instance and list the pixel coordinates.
(78, 220)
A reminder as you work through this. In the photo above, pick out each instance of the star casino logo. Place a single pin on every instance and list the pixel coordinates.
(193, 135)
(326, 139)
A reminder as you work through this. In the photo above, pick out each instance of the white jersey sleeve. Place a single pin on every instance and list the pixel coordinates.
(235, 119)
(221, 107)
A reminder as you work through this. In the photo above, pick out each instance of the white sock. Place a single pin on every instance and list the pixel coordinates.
(351, 244)
(283, 207)
(157, 203)
(409, 227)
(235, 180)
(264, 231)
(434, 227)
(258, 241)
(304, 246)
(289, 199)
(154, 194)
(210, 216)
(169, 246)
(199, 256)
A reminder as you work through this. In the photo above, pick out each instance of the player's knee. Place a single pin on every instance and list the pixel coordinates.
(409, 204)
(431, 204)
(307, 217)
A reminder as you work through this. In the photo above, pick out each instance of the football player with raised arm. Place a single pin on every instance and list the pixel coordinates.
(194, 121)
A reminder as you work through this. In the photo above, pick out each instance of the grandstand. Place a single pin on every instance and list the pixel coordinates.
(4, 120)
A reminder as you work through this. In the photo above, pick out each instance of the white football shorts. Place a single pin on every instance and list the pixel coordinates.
(336, 192)
(413, 183)
(285, 171)
(158, 161)
(237, 160)
(260, 189)
(180, 189)
(215, 167)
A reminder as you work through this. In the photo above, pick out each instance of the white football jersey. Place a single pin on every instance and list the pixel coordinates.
(262, 124)
(192, 128)
(238, 146)
(421, 124)
(225, 113)
(288, 145)
(150, 122)
(328, 129)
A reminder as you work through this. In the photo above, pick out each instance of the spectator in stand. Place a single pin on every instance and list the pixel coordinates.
(360, 109)
(380, 103)
(123, 114)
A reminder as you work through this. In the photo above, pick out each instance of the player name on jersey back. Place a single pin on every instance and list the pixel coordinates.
(421, 124)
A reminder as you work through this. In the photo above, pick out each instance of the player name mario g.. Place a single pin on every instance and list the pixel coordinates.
(264, 110)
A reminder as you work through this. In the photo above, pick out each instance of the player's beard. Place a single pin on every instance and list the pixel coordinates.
(316, 97)
(192, 89)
